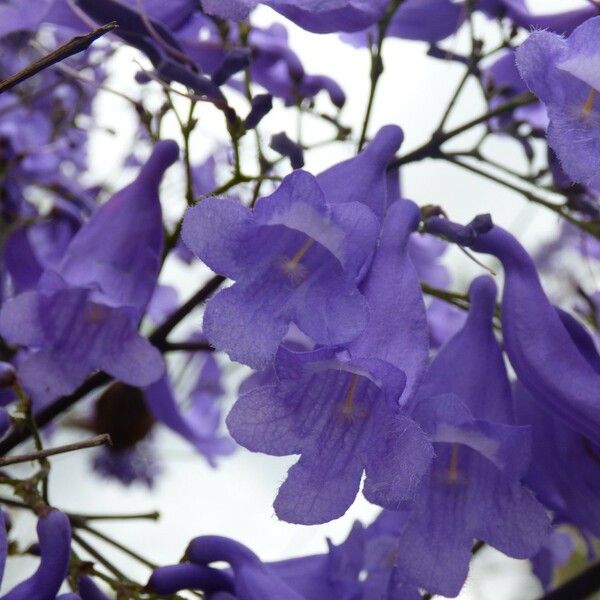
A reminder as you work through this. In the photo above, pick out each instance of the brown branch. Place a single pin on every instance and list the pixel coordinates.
(74, 46)
(99, 440)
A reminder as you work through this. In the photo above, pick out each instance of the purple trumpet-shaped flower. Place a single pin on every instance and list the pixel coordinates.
(472, 490)
(359, 568)
(426, 20)
(199, 423)
(85, 311)
(156, 41)
(340, 410)
(343, 418)
(504, 83)
(565, 466)
(331, 16)
(235, 10)
(563, 74)
(54, 535)
(396, 331)
(557, 551)
(253, 580)
(538, 343)
(518, 12)
(331, 575)
(294, 259)
(364, 178)
(171, 579)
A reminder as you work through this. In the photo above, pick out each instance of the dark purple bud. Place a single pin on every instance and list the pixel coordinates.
(235, 61)
(142, 77)
(464, 235)
(253, 579)
(128, 19)
(8, 375)
(174, 578)
(88, 590)
(281, 143)
(201, 84)
(54, 535)
(261, 105)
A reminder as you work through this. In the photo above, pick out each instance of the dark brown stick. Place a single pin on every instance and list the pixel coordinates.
(99, 440)
(74, 46)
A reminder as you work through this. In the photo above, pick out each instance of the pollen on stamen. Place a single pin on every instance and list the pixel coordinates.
(95, 313)
(589, 103)
(292, 267)
(348, 407)
(453, 470)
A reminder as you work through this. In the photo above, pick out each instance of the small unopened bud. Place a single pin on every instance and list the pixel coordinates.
(463, 235)
(261, 105)
(281, 143)
(234, 62)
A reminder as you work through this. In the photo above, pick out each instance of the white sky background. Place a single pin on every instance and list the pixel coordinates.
(235, 500)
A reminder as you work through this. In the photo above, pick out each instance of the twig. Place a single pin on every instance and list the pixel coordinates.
(432, 147)
(74, 46)
(47, 414)
(377, 67)
(160, 334)
(99, 440)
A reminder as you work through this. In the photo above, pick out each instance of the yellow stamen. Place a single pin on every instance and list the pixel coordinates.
(348, 407)
(453, 472)
(295, 260)
(589, 103)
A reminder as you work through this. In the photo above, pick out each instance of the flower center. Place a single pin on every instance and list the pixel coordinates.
(292, 267)
(589, 103)
(453, 470)
(348, 406)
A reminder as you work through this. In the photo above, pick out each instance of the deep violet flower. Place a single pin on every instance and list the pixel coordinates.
(415, 20)
(85, 311)
(472, 490)
(54, 535)
(334, 15)
(565, 466)
(364, 178)
(199, 423)
(341, 411)
(518, 12)
(253, 580)
(539, 346)
(294, 259)
(555, 553)
(562, 73)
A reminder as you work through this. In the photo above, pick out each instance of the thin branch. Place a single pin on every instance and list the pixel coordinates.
(150, 516)
(160, 334)
(47, 414)
(187, 347)
(99, 440)
(74, 46)
(432, 147)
